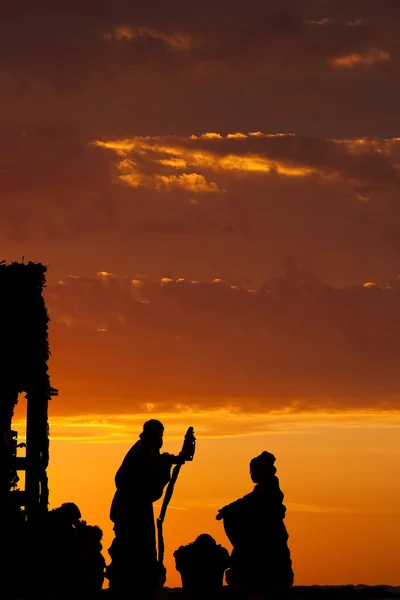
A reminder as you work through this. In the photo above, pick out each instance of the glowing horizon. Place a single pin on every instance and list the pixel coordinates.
(305, 445)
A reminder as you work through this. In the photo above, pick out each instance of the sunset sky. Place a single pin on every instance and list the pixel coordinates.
(215, 187)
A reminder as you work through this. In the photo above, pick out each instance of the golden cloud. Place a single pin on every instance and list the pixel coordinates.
(177, 163)
(369, 58)
(104, 275)
(180, 156)
(192, 182)
(359, 146)
(168, 163)
(175, 41)
(210, 424)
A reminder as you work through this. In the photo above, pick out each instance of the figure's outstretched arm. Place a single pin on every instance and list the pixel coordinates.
(172, 459)
(188, 449)
(220, 514)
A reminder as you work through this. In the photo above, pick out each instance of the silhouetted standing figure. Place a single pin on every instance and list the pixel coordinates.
(140, 481)
(255, 527)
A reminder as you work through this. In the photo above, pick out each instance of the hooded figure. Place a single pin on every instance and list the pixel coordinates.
(140, 481)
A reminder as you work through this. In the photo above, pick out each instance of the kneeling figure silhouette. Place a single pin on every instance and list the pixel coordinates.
(255, 527)
(202, 565)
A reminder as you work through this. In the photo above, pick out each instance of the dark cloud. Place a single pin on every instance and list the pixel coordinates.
(54, 184)
(294, 342)
(122, 69)
(68, 43)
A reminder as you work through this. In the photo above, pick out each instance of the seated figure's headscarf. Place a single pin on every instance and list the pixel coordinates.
(262, 466)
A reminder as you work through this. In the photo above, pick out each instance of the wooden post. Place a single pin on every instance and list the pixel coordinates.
(33, 460)
(37, 454)
(7, 403)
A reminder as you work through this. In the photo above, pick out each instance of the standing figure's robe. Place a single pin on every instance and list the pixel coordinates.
(140, 481)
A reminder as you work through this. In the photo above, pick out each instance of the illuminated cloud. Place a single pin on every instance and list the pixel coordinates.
(60, 185)
(295, 344)
(175, 41)
(104, 275)
(355, 161)
(190, 182)
(217, 424)
(369, 284)
(369, 58)
(187, 153)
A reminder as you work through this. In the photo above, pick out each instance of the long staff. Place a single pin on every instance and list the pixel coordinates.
(186, 454)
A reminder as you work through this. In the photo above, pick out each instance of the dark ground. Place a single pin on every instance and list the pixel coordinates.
(348, 592)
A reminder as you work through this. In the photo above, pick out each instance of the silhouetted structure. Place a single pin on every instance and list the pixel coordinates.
(24, 356)
(23, 369)
(46, 552)
(202, 565)
(255, 527)
(139, 481)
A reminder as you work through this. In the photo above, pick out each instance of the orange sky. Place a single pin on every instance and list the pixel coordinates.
(338, 474)
(215, 191)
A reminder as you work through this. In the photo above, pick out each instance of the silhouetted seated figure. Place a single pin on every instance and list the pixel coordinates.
(202, 565)
(255, 527)
(140, 481)
(73, 548)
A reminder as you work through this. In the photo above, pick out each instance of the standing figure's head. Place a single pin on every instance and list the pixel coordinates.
(152, 434)
(262, 467)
